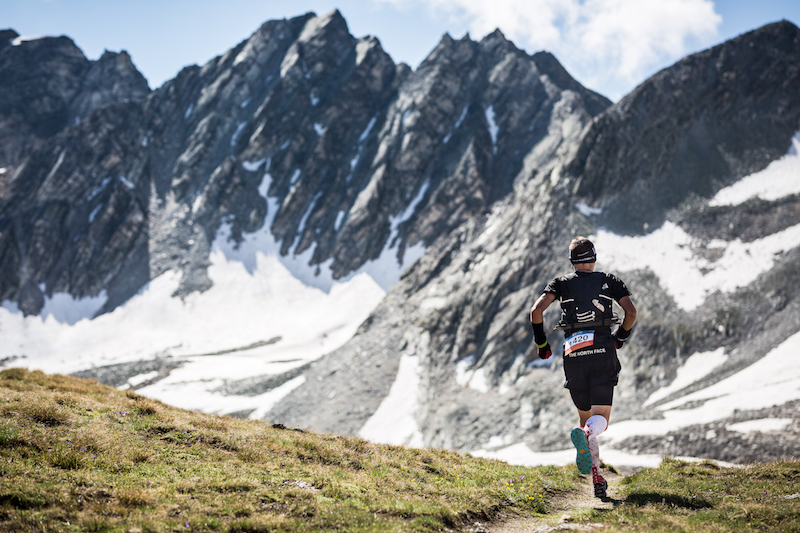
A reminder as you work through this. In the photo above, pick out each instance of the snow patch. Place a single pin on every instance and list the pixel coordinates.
(493, 129)
(97, 190)
(237, 133)
(588, 211)
(520, 454)
(302, 227)
(141, 378)
(63, 308)
(319, 128)
(473, 378)
(457, 124)
(339, 218)
(365, 133)
(94, 212)
(188, 111)
(240, 309)
(314, 99)
(758, 386)
(763, 425)
(696, 367)
(393, 422)
(126, 182)
(688, 278)
(404, 118)
(253, 166)
(361, 139)
(245, 103)
(778, 180)
(387, 269)
(23, 38)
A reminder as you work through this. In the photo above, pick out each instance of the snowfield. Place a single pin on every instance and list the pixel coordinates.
(267, 315)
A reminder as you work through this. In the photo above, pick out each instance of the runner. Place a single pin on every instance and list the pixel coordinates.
(591, 365)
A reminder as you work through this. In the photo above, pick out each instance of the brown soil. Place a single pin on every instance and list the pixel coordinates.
(570, 514)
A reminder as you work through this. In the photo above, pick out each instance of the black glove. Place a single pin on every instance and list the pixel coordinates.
(620, 336)
(544, 351)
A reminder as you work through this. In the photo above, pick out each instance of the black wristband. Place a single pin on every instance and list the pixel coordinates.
(538, 333)
(622, 333)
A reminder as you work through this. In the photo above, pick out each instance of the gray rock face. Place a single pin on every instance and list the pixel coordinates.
(481, 154)
(657, 155)
(356, 150)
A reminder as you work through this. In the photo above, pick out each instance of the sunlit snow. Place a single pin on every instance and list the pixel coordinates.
(762, 425)
(781, 178)
(493, 129)
(686, 276)
(771, 381)
(696, 367)
(393, 422)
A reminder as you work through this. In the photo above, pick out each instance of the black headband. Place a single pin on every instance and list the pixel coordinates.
(584, 256)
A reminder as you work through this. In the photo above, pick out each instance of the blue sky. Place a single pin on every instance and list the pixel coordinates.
(608, 45)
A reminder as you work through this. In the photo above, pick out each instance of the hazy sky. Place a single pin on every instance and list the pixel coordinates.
(608, 45)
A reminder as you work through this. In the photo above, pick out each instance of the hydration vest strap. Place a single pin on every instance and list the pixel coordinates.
(606, 322)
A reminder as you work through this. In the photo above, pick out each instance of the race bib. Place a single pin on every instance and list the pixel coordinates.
(578, 340)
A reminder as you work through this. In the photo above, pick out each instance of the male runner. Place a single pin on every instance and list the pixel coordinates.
(591, 365)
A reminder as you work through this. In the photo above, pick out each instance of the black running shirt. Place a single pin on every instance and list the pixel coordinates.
(617, 287)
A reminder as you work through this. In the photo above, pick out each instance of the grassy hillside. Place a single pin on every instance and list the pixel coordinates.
(705, 498)
(79, 456)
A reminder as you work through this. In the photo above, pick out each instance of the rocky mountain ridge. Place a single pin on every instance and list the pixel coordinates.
(343, 138)
(483, 163)
(657, 156)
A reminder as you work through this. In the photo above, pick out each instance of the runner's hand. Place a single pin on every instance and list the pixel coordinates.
(620, 336)
(545, 351)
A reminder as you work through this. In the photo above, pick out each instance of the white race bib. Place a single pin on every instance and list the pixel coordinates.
(578, 340)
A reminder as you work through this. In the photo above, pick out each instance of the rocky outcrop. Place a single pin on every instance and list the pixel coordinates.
(657, 155)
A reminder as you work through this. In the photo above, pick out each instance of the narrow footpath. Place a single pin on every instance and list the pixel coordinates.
(570, 514)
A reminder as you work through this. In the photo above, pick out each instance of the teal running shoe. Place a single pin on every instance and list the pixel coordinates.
(584, 457)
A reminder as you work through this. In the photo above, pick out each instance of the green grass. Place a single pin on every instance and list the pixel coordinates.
(79, 456)
(704, 497)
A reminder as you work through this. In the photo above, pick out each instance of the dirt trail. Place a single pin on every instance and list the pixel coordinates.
(570, 513)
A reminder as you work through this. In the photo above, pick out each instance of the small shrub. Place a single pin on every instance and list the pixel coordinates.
(139, 455)
(146, 407)
(16, 374)
(66, 458)
(9, 432)
(46, 413)
(96, 524)
(131, 497)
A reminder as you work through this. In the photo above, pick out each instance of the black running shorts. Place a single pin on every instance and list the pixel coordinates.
(591, 379)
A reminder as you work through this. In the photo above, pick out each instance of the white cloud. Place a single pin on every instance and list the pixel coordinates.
(609, 45)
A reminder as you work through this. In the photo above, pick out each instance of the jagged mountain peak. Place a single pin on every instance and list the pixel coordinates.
(695, 96)
(7, 36)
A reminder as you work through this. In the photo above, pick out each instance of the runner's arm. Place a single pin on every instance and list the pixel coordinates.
(630, 312)
(542, 303)
(543, 349)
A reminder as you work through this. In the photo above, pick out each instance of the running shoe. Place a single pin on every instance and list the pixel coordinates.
(600, 489)
(584, 458)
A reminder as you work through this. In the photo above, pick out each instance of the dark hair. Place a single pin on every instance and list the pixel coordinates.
(581, 250)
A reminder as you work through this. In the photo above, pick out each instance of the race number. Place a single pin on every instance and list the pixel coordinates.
(578, 341)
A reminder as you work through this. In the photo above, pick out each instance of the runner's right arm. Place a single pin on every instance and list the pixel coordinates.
(537, 322)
